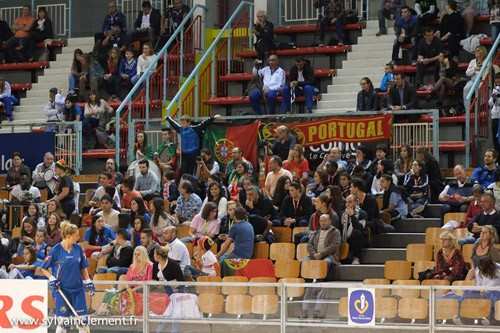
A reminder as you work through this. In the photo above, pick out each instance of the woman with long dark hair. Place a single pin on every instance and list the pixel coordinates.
(160, 219)
(215, 194)
(141, 148)
(281, 190)
(205, 223)
(138, 208)
(97, 236)
(79, 70)
(383, 167)
(318, 185)
(403, 164)
(416, 184)
(433, 171)
(41, 29)
(135, 233)
(367, 97)
(53, 231)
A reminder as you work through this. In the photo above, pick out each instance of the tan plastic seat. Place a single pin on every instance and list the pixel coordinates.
(207, 289)
(379, 292)
(287, 268)
(413, 308)
(446, 309)
(497, 310)
(418, 252)
(265, 305)
(397, 270)
(302, 251)
(421, 266)
(238, 305)
(298, 230)
(467, 252)
(211, 304)
(386, 308)
(475, 308)
(283, 234)
(104, 277)
(228, 290)
(183, 230)
(432, 235)
(261, 250)
(343, 307)
(314, 269)
(434, 282)
(462, 283)
(459, 217)
(292, 292)
(409, 293)
(81, 231)
(282, 251)
(255, 290)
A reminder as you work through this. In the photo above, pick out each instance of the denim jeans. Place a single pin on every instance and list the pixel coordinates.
(271, 96)
(118, 270)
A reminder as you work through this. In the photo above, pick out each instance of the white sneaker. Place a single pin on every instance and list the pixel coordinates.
(355, 261)
(457, 320)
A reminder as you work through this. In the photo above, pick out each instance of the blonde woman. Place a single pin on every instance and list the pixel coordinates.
(450, 263)
(473, 70)
(68, 274)
(141, 268)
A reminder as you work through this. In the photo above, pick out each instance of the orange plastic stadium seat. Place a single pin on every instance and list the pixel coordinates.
(282, 251)
(256, 290)
(406, 292)
(432, 236)
(467, 252)
(228, 290)
(413, 308)
(104, 277)
(287, 268)
(421, 266)
(397, 270)
(378, 292)
(434, 282)
(238, 304)
(207, 289)
(446, 309)
(261, 250)
(211, 304)
(418, 252)
(314, 269)
(283, 234)
(387, 308)
(302, 251)
(292, 292)
(265, 305)
(475, 308)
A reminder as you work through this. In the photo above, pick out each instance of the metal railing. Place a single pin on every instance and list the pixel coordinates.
(305, 11)
(206, 70)
(477, 98)
(151, 310)
(420, 134)
(68, 139)
(59, 13)
(151, 88)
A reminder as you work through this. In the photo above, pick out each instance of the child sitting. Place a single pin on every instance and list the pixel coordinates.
(204, 259)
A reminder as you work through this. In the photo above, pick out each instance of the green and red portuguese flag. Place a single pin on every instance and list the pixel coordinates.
(221, 139)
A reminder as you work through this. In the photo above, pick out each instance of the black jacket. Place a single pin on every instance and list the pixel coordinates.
(5, 32)
(123, 260)
(46, 33)
(171, 272)
(367, 101)
(303, 211)
(265, 35)
(409, 96)
(154, 21)
(307, 72)
(263, 208)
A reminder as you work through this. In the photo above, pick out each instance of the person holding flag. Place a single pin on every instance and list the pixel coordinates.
(69, 277)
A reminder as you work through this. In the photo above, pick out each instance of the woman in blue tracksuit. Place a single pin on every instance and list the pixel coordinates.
(68, 275)
(190, 140)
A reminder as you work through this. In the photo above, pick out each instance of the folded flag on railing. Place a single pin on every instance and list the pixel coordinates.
(249, 268)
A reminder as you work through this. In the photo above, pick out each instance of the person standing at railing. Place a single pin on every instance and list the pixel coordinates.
(473, 71)
(389, 9)
(190, 140)
(452, 29)
(494, 103)
(264, 33)
(274, 84)
(173, 16)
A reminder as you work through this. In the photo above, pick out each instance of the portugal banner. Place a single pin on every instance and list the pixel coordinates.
(222, 139)
(319, 136)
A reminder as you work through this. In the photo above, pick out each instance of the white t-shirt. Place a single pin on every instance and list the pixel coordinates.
(208, 261)
(179, 252)
(145, 24)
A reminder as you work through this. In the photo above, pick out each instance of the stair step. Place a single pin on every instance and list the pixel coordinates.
(353, 79)
(82, 41)
(367, 70)
(367, 62)
(341, 88)
(385, 54)
(338, 103)
(338, 95)
(368, 47)
(416, 225)
(35, 100)
(359, 272)
(397, 240)
(381, 255)
(433, 210)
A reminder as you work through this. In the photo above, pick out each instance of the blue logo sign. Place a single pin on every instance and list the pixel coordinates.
(361, 307)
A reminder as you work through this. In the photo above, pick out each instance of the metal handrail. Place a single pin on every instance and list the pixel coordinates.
(211, 52)
(146, 75)
(474, 89)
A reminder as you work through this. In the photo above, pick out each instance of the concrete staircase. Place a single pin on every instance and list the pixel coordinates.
(56, 76)
(367, 58)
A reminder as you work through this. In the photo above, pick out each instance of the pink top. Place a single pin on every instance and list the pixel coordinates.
(205, 228)
(142, 275)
